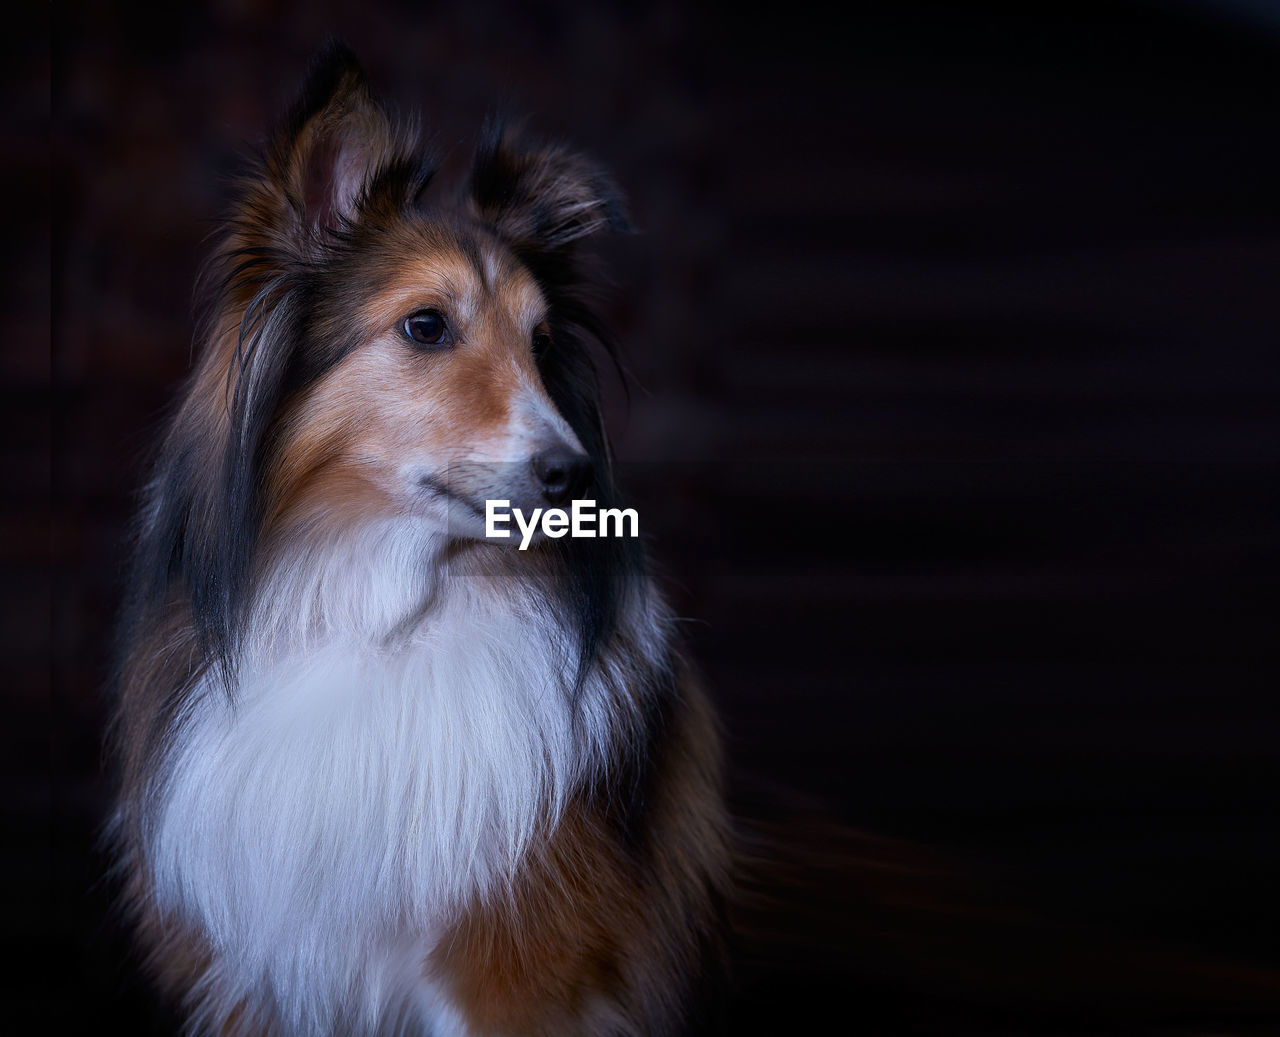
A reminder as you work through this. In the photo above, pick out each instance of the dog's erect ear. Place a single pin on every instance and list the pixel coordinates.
(335, 157)
(542, 199)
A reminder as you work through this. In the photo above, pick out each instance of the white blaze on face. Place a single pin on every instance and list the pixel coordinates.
(538, 426)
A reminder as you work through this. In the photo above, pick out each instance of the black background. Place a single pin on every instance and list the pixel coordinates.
(954, 331)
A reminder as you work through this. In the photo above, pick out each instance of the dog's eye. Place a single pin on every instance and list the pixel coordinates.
(541, 342)
(427, 328)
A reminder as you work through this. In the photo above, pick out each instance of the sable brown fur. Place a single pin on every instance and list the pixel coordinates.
(594, 915)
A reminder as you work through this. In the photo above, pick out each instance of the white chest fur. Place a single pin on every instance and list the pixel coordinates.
(320, 830)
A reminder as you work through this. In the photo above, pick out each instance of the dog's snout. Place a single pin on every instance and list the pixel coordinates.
(562, 474)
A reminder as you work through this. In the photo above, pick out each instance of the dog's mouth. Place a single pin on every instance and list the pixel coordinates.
(441, 491)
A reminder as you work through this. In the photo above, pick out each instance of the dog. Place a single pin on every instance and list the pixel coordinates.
(378, 772)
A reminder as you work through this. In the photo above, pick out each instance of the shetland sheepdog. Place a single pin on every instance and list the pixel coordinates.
(378, 773)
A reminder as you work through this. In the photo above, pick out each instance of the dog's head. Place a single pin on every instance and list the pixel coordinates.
(374, 349)
(396, 353)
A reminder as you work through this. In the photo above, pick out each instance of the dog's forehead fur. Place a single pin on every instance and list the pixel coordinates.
(465, 272)
(424, 261)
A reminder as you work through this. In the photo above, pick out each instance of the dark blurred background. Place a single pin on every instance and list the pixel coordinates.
(954, 333)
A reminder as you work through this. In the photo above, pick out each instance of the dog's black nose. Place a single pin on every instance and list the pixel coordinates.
(561, 474)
